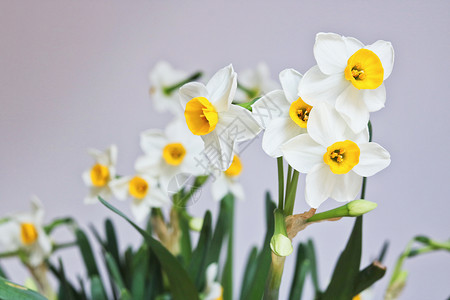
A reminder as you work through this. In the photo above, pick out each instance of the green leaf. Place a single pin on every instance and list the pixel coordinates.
(181, 284)
(86, 253)
(12, 291)
(114, 270)
(311, 254)
(250, 270)
(58, 222)
(301, 270)
(248, 105)
(139, 271)
(65, 289)
(227, 275)
(112, 244)
(185, 239)
(383, 251)
(346, 272)
(367, 277)
(256, 287)
(97, 290)
(2, 273)
(197, 266)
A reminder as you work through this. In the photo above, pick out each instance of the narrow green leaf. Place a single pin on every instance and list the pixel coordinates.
(250, 270)
(140, 267)
(301, 270)
(97, 289)
(155, 282)
(311, 253)
(65, 290)
(114, 270)
(185, 239)
(367, 277)
(12, 291)
(82, 293)
(346, 272)
(383, 251)
(2, 273)
(58, 222)
(111, 241)
(182, 286)
(256, 288)
(60, 275)
(86, 253)
(227, 275)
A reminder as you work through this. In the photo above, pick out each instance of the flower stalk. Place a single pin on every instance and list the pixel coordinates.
(170, 89)
(354, 208)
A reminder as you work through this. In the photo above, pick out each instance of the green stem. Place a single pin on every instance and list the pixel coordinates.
(170, 89)
(288, 179)
(290, 198)
(276, 272)
(182, 201)
(280, 182)
(9, 254)
(64, 245)
(250, 93)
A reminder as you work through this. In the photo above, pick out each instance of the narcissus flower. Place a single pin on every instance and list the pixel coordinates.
(254, 83)
(282, 113)
(213, 289)
(350, 76)
(333, 156)
(100, 174)
(24, 232)
(143, 189)
(162, 77)
(210, 114)
(227, 182)
(170, 152)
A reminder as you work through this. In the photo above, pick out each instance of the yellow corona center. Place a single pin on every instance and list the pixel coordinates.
(342, 156)
(138, 187)
(235, 168)
(28, 233)
(201, 116)
(357, 297)
(364, 70)
(99, 175)
(174, 153)
(299, 112)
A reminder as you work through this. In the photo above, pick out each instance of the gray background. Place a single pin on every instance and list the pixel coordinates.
(74, 74)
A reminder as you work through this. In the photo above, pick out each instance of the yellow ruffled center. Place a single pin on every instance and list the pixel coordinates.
(99, 175)
(235, 168)
(364, 70)
(357, 297)
(201, 116)
(138, 187)
(28, 233)
(299, 112)
(174, 153)
(342, 156)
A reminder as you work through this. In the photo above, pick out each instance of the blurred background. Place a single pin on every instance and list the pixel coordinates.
(74, 75)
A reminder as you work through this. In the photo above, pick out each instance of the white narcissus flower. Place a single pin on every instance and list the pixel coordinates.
(210, 114)
(334, 158)
(282, 113)
(143, 189)
(25, 232)
(162, 77)
(255, 82)
(213, 289)
(227, 182)
(348, 75)
(100, 174)
(170, 152)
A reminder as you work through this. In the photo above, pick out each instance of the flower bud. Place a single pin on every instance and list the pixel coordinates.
(280, 244)
(196, 224)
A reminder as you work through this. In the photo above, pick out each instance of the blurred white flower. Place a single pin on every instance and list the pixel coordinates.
(100, 174)
(210, 114)
(170, 152)
(162, 77)
(349, 76)
(281, 113)
(227, 182)
(25, 232)
(254, 83)
(144, 191)
(213, 289)
(334, 158)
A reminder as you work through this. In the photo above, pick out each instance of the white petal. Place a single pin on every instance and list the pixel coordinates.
(222, 87)
(44, 242)
(269, 107)
(239, 124)
(290, 80)
(316, 87)
(374, 99)
(303, 153)
(86, 176)
(236, 189)
(140, 210)
(353, 45)
(148, 164)
(219, 187)
(112, 154)
(218, 152)
(9, 236)
(385, 52)
(279, 132)
(353, 109)
(192, 90)
(331, 53)
(325, 125)
(373, 159)
(319, 185)
(347, 187)
(156, 197)
(152, 141)
(211, 273)
(119, 187)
